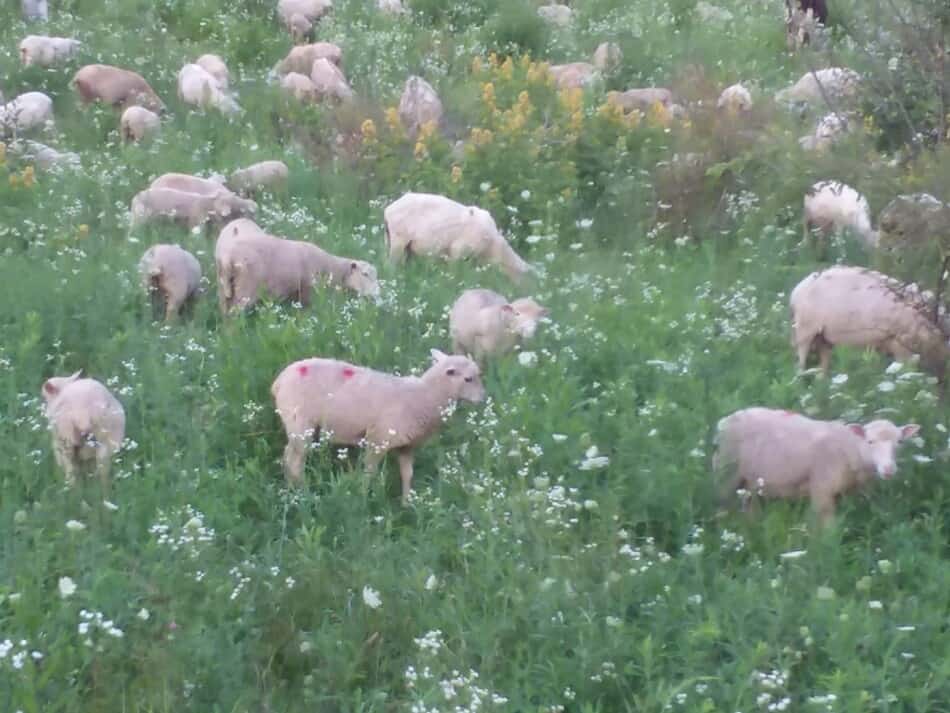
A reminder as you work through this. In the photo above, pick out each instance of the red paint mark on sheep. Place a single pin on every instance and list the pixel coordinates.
(348, 372)
(302, 370)
(789, 413)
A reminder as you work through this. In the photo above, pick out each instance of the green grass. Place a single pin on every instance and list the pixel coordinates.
(613, 589)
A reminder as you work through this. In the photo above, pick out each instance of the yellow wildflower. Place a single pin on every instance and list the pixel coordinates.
(482, 137)
(14, 180)
(611, 112)
(392, 119)
(476, 65)
(3, 153)
(456, 174)
(577, 121)
(525, 61)
(571, 98)
(427, 130)
(83, 230)
(488, 94)
(368, 129)
(420, 152)
(28, 176)
(538, 72)
(869, 124)
(633, 119)
(493, 60)
(524, 103)
(659, 115)
(507, 68)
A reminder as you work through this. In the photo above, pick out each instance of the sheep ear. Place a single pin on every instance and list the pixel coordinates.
(857, 429)
(451, 371)
(507, 308)
(76, 375)
(49, 388)
(909, 431)
(436, 355)
(354, 267)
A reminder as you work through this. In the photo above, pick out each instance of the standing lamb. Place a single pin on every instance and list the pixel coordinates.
(171, 276)
(118, 87)
(418, 105)
(25, 112)
(138, 123)
(482, 323)
(87, 422)
(44, 51)
(856, 307)
(433, 225)
(781, 454)
(216, 67)
(356, 406)
(264, 175)
(607, 57)
(250, 261)
(190, 210)
(199, 88)
(832, 206)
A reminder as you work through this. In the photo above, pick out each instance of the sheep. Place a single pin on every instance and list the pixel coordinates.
(418, 105)
(428, 224)
(264, 175)
(190, 210)
(87, 423)
(190, 184)
(735, 99)
(831, 206)
(641, 99)
(836, 83)
(299, 16)
(802, 20)
(482, 323)
(352, 405)
(138, 124)
(216, 67)
(607, 57)
(781, 454)
(391, 7)
(573, 75)
(329, 81)
(171, 276)
(44, 51)
(198, 87)
(35, 10)
(25, 112)
(912, 221)
(556, 14)
(853, 306)
(118, 87)
(300, 86)
(300, 59)
(248, 260)
(830, 129)
(43, 156)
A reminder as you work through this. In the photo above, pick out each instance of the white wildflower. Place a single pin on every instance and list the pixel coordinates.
(527, 358)
(67, 587)
(75, 526)
(371, 598)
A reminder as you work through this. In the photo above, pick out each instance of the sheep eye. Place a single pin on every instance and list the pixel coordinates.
(469, 379)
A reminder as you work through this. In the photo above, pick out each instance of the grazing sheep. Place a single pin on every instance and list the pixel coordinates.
(118, 87)
(264, 175)
(25, 112)
(573, 75)
(190, 210)
(913, 221)
(641, 99)
(607, 57)
(190, 184)
(87, 423)
(299, 16)
(556, 14)
(355, 406)
(199, 88)
(829, 129)
(781, 454)
(300, 59)
(329, 81)
(482, 323)
(832, 206)
(43, 156)
(856, 307)
(392, 7)
(249, 261)
(418, 105)
(838, 84)
(171, 276)
(35, 10)
(138, 123)
(433, 225)
(735, 99)
(216, 67)
(44, 51)
(300, 86)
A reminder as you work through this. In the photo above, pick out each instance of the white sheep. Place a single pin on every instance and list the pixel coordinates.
(832, 206)
(27, 111)
(199, 88)
(781, 454)
(216, 67)
(607, 57)
(264, 175)
(573, 75)
(482, 323)
(418, 105)
(853, 306)
(836, 83)
(138, 124)
(190, 184)
(300, 59)
(171, 277)
(87, 423)
(44, 51)
(830, 128)
(189, 210)
(329, 81)
(556, 14)
(249, 262)
(433, 225)
(355, 406)
(115, 86)
(300, 86)
(299, 16)
(735, 98)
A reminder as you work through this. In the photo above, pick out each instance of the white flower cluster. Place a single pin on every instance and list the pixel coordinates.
(772, 697)
(18, 653)
(91, 622)
(189, 537)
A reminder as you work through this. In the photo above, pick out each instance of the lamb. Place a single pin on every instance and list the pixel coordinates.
(299, 16)
(607, 57)
(853, 306)
(300, 59)
(25, 112)
(138, 124)
(87, 423)
(198, 87)
(353, 405)
(171, 276)
(913, 222)
(300, 86)
(329, 81)
(418, 105)
(829, 130)
(433, 225)
(121, 88)
(190, 210)
(781, 454)
(216, 67)
(482, 323)
(249, 261)
(573, 75)
(832, 206)
(836, 83)
(556, 14)
(735, 99)
(44, 51)
(35, 9)
(190, 184)
(641, 99)
(264, 175)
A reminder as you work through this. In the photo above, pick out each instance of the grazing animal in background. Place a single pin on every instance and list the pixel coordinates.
(27, 111)
(830, 128)
(250, 261)
(329, 81)
(216, 67)
(857, 307)
(641, 99)
(607, 57)
(190, 184)
(735, 99)
(482, 323)
(117, 87)
(573, 75)
(436, 226)
(87, 423)
(300, 86)
(802, 20)
(818, 88)
(138, 123)
(299, 16)
(831, 206)
(261, 176)
(356, 406)
(418, 105)
(198, 87)
(781, 454)
(44, 51)
(189, 210)
(300, 59)
(171, 276)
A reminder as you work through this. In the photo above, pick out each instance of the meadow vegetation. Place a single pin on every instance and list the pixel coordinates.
(564, 550)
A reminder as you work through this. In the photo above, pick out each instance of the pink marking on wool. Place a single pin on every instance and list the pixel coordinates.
(789, 413)
(302, 370)
(348, 372)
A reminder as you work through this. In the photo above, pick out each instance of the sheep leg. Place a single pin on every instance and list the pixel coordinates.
(103, 463)
(295, 455)
(823, 503)
(804, 347)
(65, 459)
(405, 472)
(824, 356)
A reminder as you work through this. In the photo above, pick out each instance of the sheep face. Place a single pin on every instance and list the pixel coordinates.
(462, 376)
(54, 386)
(361, 278)
(881, 439)
(522, 316)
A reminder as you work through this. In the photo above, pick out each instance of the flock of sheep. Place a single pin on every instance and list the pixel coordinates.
(772, 452)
